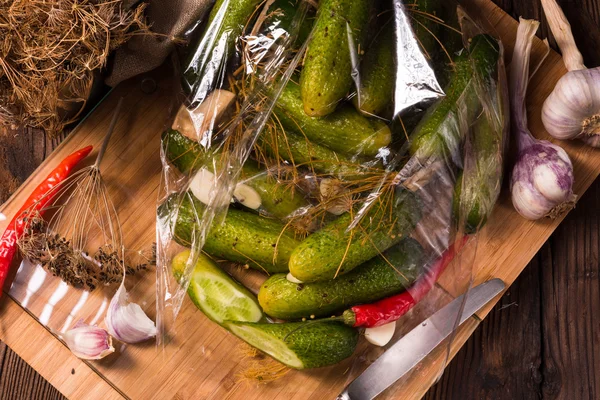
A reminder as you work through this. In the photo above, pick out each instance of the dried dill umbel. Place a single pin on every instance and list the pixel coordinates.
(50, 52)
(57, 255)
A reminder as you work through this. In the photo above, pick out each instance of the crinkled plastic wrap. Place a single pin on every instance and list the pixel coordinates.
(339, 163)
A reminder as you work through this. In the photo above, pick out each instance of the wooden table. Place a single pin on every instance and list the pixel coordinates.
(540, 341)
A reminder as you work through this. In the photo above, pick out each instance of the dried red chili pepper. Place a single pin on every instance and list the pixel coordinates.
(37, 200)
(392, 308)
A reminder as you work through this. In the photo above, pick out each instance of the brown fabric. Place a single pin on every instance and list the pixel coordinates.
(168, 18)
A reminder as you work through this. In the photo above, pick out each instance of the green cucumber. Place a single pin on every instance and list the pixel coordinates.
(377, 73)
(184, 153)
(299, 151)
(477, 190)
(344, 131)
(326, 77)
(278, 200)
(243, 237)
(300, 345)
(215, 293)
(281, 14)
(333, 251)
(224, 27)
(440, 132)
(378, 278)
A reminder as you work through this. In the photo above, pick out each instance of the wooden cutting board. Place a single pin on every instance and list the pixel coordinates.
(205, 362)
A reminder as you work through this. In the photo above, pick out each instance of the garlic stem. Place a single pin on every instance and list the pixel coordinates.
(519, 81)
(561, 29)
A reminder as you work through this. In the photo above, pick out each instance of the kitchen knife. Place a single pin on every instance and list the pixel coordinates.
(402, 356)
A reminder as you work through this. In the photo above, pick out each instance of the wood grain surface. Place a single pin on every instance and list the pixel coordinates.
(540, 341)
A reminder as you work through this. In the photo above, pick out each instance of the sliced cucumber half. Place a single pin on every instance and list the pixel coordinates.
(299, 345)
(216, 294)
(267, 343)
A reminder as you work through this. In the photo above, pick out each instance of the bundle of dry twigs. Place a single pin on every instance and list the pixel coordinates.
(49, 52)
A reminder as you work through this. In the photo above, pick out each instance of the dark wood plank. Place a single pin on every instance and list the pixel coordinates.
(18, 381)
(570, 303)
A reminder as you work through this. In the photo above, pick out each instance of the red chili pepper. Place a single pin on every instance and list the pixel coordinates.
(392, 308)
(39, 198)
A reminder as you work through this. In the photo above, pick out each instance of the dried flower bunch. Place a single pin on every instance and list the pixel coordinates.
(49, 51)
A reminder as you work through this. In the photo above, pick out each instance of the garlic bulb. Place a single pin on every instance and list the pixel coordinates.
(88, 342)
(126, 321)
(572, 111)
(542, 178)
(541, 181)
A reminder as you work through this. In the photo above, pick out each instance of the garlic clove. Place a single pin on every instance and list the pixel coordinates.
(247, 196)
(380, 335)
(194, 123)
(88, 342)
(126, 321)
(292, 278)
(335, 195)
(203, 186)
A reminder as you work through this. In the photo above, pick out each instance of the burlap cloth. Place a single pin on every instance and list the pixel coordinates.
(169, 19)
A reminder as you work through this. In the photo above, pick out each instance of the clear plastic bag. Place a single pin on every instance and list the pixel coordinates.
(345, 158)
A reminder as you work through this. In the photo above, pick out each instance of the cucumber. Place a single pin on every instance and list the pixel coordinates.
(440, 132)
(281, 15)
(215, 293)
(299, 151)
(243, 237)
(184, 153)
(476, 192)
(333, 251)
(344, 131)
(378, 278)
(277, 199)
(378, 73)
(326, 77)
(217, 44)
(300, 345)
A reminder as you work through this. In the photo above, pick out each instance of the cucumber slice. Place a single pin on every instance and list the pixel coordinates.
(216, 294)
(300, 345)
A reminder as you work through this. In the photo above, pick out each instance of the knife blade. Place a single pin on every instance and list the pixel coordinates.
(407, 352)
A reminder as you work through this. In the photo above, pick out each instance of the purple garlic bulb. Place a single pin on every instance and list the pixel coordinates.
(542, 181)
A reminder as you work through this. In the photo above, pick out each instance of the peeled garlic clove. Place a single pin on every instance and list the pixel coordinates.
(126, 321)
(193, 123)
(203, 186)
(292, 278)
(333, 192)
(247, 196)
(88, 342)
(329, 187)
(380, 335)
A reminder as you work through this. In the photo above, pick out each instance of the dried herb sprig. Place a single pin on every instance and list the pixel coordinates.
(84, 218)
(56, 254)
(49, 51)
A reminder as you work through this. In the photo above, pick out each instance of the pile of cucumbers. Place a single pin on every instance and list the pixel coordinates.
(326, 127)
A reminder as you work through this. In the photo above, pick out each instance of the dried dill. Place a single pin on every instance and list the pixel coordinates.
(49, 52)
(57, 255)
